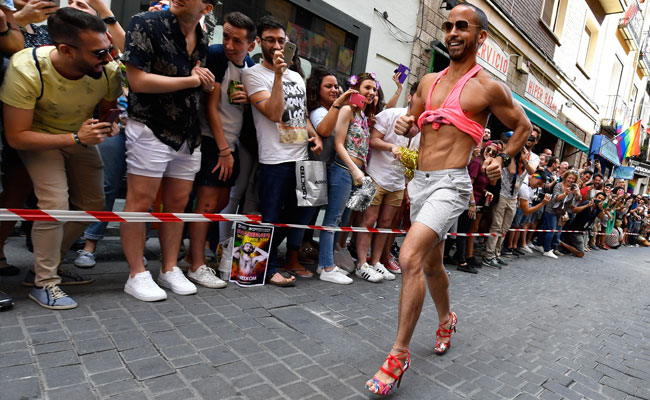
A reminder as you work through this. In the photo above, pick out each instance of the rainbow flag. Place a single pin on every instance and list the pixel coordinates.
(631, 185)
(629, 142)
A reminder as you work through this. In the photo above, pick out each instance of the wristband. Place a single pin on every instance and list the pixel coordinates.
(472, 203)
(75, 137)
(337, 107)
(225, 155)
(225, 148)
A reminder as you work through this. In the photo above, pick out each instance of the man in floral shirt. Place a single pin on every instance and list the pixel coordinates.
(164, 54)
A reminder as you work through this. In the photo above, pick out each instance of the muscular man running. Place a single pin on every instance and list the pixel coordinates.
(451, 108)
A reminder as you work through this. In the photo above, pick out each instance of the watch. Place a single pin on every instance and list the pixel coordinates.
(110, 20)
(506, 159)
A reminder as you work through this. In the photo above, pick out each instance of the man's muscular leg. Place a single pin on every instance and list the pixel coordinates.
(418, 257)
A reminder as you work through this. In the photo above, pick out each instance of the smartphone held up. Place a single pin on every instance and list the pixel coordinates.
(289, 52)
(357, 100)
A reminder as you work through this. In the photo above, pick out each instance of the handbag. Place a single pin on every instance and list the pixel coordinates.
(311, 183)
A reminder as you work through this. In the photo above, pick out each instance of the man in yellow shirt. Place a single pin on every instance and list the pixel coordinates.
(49, 96)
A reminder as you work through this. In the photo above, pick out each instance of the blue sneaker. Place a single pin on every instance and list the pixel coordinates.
(52, 297)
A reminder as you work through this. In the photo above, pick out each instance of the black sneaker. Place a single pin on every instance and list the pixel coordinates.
(518, 252)
(507, 252)
(6, 302)
(466, 268)
(67, 278)
(474, 262)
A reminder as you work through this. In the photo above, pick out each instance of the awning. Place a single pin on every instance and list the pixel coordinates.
(604, 147)
(550, 124)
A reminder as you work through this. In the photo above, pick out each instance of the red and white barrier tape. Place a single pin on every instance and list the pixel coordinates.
(12, 214)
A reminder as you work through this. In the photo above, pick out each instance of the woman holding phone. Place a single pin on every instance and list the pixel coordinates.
(351, 144)
(324, 101)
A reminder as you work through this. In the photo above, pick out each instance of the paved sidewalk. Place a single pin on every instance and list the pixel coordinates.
(539, 328)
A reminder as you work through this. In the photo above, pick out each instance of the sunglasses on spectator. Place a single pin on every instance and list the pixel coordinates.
(460, 25)
(102, 53)
(492, 153)
(99, 53)
(531, 138)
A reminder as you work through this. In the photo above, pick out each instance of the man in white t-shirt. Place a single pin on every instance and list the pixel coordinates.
(278, 96)
(386, 171)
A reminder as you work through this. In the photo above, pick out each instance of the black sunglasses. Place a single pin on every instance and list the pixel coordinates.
(491, 152)
(101, 53)
(461, 25)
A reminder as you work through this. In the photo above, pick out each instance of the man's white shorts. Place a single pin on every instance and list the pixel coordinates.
(148, 156)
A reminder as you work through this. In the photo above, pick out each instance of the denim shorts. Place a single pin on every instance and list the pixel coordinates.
(520, 219)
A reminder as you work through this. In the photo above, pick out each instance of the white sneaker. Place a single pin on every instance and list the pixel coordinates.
(343, 259)
(319, 269)
(85, 259)
(206, 276)
(550, 254)
(379, 267)
(142, 287)
(531, 246)
(176, 281)
(526, 250)
(336, 275)
(539, 248)
(369, 274)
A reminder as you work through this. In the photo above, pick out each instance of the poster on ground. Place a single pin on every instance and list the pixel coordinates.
(250, 254)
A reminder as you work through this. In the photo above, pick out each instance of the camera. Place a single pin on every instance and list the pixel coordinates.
(538, 197)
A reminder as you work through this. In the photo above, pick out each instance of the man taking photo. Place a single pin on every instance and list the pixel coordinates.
(49, 96)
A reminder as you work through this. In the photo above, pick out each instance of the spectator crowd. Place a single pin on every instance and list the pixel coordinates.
(205, 129)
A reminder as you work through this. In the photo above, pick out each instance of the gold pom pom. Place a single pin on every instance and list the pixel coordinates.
(409, 160)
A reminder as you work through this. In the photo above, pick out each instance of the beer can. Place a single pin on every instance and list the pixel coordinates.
(232, 88)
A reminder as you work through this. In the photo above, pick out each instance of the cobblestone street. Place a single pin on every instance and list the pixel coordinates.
(539, 328)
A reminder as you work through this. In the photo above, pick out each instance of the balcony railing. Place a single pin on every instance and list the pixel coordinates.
(617, 114)
(631, 26)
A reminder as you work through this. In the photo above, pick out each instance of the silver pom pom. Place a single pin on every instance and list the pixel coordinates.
(361, 198)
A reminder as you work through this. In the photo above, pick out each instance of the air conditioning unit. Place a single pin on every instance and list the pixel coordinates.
(522, 65)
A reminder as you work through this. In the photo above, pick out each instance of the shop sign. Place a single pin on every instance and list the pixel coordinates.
(641, 169)
(494, 59)
(541, 95)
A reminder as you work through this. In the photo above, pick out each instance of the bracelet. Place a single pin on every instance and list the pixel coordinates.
(472, 203)
(226, 155)
(337, 107)
(75, 137)
(225, 148)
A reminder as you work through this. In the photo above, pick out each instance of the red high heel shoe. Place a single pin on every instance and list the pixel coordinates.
(401, 361)
(441, 348)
